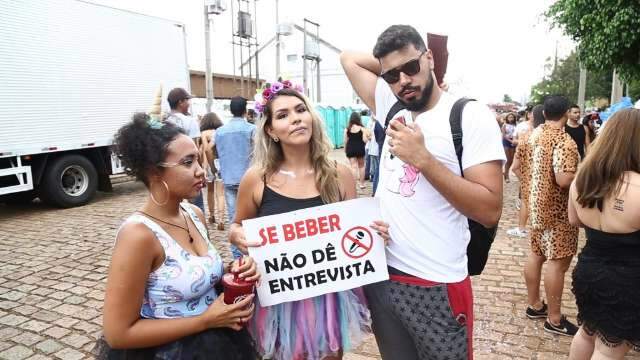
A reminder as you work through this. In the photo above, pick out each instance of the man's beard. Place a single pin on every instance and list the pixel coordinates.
(419, 103)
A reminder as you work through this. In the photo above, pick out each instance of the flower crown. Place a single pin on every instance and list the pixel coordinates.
(269, 91)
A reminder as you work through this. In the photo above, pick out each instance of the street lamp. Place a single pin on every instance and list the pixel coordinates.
(211, 7)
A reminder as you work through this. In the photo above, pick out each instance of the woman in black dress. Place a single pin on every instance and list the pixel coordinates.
(355, 137)
(605, 200)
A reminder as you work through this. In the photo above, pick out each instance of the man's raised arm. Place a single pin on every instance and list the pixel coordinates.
(362, 69)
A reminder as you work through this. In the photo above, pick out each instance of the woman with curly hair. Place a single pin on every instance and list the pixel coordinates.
(161, 300)
(291, 170)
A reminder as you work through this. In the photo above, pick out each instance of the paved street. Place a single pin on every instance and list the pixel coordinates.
(53, 265)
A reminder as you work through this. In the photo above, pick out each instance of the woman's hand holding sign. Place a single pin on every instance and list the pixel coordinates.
(382, 228)
(237, 238)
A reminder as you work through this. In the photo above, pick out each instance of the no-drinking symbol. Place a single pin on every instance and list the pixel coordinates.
(357, 242)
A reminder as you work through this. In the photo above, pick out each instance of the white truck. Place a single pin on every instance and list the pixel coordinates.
(71, 74)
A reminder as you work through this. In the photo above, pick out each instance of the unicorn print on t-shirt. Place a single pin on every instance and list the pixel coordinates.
(404, 177)
(409, 180)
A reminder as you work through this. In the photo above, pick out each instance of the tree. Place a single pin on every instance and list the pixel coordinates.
(634, 88)
(564, 80)
(607, 33)
(506, 98)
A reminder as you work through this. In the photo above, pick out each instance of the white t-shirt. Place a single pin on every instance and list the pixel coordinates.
(522, 128)
(187, 123)
(429, 236)
(372, 145)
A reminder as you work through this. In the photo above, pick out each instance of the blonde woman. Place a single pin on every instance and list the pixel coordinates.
(291, 171)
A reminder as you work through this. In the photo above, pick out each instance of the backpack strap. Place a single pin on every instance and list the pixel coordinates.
(455, 122)
(397, 107)
(392, 112)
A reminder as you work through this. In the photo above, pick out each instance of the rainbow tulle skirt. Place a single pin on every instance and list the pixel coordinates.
(312, 328)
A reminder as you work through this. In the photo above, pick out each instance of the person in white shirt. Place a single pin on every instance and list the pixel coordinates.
(523, 130)
(373, 152)
(525, 126)
(425, 310)
(179, 101)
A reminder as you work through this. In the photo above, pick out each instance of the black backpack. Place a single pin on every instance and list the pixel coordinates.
(481, 237)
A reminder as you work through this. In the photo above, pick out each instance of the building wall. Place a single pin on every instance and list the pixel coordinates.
(224, 86)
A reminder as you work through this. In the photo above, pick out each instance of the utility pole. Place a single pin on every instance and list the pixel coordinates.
(616, 88)
(255, 12)
(207, 47)
(304, 62)
(233, 47)
(555, 60)
(215, 7)
(311, 53)
(318, 92)
(582, 86)
(277, 40)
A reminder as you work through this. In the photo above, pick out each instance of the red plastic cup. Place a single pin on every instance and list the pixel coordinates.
(402, 120)
(236, 289)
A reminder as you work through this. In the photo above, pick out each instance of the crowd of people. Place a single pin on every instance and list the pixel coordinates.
(569, 180)
(438, 165)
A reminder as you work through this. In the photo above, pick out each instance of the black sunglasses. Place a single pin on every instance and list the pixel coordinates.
(410, 68)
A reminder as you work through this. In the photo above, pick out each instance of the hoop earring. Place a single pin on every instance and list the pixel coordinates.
(153, 197)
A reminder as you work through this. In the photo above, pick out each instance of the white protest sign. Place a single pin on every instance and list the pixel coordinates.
(317, 251)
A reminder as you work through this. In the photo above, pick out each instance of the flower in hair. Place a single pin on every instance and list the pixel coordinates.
(276, 87)
(258, 107)
(266, 93)
(270, 91)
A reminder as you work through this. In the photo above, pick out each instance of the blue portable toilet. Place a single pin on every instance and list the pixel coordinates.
(329, 122)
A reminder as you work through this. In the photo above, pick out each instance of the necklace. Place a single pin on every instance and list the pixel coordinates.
(172, 224)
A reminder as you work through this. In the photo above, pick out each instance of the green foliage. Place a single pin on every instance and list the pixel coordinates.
(565, 78)
(506, 98)
(607, 32)
(634, 88)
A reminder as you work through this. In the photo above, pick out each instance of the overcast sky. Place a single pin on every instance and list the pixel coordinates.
(495, 46)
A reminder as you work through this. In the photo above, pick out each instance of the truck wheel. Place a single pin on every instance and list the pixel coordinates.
(68, 181)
